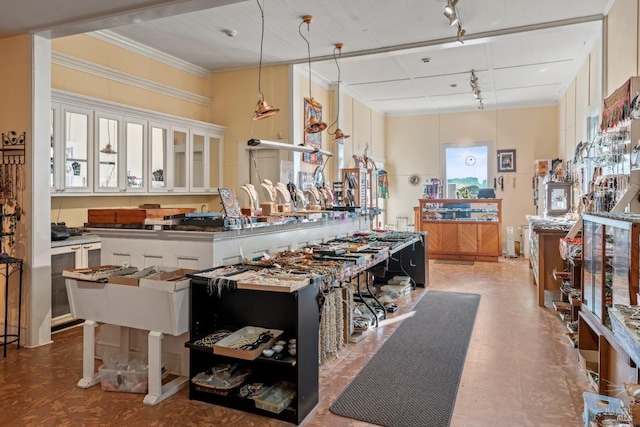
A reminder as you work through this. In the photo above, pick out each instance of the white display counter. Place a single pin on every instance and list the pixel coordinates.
(157, 311)
(199, 250)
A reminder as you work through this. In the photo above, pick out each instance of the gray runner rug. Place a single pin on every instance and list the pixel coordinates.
(413, 379)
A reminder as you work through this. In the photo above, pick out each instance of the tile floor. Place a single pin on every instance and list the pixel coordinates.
(520, 369)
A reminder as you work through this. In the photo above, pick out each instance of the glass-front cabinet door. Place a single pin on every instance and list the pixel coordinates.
(135, 138)
(159, 157)
(204, 164)
(215, 161)
(199, 171)
(180, 157)
(617, 267)
(77, 131)
(109, 152)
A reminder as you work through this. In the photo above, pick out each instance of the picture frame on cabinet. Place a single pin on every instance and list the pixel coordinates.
(507, 160)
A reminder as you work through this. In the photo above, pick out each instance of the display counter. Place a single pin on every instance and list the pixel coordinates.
(462, 229)
(544, 251)
(199, 249)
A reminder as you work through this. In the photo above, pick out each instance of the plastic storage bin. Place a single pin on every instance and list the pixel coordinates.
(123, 380)
(596, 403)
(277, 397)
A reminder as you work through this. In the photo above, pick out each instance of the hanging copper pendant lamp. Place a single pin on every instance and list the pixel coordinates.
(315, 125)
(263, 109)
(338, 136)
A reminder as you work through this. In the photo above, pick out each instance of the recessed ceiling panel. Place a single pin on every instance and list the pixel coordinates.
(390, 90)
(405, 106)
(534, 75)
(361, 70)
(553, 44)
(442, 85)
(455, 58)
(538, 95)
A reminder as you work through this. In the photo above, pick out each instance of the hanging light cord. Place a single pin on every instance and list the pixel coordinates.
(308, 53)
(261, 44)
(336, 122)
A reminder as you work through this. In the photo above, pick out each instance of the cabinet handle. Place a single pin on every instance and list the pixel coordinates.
(75, 248)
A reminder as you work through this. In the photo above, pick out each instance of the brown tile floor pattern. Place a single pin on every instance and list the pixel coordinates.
(520, 369)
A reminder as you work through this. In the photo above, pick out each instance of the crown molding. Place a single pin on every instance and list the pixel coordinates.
(85, 66)
(131, 45)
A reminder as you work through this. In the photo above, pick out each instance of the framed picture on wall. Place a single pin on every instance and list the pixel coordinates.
(506, 160)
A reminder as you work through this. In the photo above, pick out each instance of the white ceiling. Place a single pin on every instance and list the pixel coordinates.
(525, 53)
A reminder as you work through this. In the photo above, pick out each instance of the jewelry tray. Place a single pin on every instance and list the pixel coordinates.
(222, 347)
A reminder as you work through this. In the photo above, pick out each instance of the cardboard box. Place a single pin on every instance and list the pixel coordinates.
(134, 279)
(222, 347)
(589, 360)
(169, 281)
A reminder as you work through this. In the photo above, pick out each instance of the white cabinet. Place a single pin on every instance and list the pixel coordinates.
(71, 256)
(98, 147)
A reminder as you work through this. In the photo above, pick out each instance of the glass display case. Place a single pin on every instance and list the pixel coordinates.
(610, 250)
(466, 229)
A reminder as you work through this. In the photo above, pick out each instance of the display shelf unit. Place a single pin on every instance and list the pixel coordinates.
(296, 313)
(464, 229)
(544, 253)
(610, 276)
(360, 187)
(610, 253)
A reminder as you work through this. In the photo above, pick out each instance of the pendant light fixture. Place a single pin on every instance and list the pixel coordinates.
(108, 149)
(338, 135)
(263, 109)
(315, 125)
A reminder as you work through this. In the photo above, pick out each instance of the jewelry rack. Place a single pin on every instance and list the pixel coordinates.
(12, 159)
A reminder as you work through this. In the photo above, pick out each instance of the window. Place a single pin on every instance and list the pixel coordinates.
(466, 169)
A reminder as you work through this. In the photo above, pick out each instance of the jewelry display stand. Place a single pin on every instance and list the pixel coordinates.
(11, 180)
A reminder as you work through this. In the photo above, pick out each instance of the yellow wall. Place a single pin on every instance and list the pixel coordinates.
(15, 113)
(121, 60)
(235, 95)
(622, 44)
(414, 146)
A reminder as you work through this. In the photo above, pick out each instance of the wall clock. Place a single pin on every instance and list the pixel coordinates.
(414, 179)
(470, 160)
